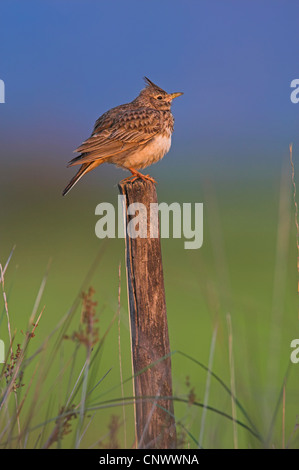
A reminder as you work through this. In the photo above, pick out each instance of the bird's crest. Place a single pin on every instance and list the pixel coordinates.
(149, 83)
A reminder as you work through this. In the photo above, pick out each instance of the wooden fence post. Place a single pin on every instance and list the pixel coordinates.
(154, 417)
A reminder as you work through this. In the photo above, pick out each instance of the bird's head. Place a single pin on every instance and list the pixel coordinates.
(155, 97)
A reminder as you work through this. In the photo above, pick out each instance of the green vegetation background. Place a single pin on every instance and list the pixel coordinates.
(246, 268)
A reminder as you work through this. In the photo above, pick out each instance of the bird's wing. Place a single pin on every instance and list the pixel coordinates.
(115, 132)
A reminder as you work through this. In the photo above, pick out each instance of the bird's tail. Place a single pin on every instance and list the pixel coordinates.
(85, 168)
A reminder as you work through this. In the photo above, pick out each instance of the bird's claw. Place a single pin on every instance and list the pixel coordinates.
(135, 177)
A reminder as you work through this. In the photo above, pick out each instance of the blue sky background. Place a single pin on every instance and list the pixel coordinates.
(66, 62)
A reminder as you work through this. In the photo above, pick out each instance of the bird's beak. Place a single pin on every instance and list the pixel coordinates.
(171, 96)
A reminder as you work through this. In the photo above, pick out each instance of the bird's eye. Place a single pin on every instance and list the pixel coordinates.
(159, 97)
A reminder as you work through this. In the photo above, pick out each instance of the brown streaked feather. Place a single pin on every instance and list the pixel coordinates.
(82, 171)
(127, 131)
(94, 155)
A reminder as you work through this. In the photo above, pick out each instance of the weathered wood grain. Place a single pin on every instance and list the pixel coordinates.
(155, 427)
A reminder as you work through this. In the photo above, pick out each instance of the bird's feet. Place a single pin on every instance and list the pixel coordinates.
(136, 175)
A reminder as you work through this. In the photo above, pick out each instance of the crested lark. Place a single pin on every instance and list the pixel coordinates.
(131, 136)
